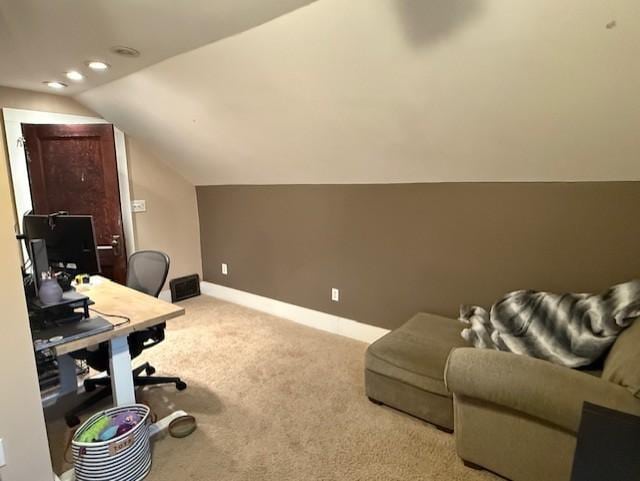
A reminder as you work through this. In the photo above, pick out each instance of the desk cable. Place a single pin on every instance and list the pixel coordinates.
(127, 320)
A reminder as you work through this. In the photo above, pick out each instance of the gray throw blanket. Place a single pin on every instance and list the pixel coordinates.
(570, 329)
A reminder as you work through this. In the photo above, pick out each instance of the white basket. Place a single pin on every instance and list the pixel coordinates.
(124, 458)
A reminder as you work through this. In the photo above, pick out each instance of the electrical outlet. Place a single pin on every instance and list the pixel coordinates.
(138, 206)
(3, 459)
(225, 270)
(335, 294)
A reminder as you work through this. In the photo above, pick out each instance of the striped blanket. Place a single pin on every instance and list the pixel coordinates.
(572, 330)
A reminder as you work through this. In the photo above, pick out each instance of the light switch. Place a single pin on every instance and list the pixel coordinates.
(138, 206)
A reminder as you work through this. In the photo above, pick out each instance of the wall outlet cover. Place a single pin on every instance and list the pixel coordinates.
(335, 294)
(138, 206)
(3, 459)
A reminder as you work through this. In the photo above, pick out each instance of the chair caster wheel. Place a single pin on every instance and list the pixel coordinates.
(150, 371)
(181, 386)
(72, 421)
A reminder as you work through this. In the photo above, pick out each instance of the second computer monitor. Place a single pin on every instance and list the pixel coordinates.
(70, 240)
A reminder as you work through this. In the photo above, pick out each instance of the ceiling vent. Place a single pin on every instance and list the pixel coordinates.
(125, 51)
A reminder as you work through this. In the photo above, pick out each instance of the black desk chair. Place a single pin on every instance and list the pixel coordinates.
(147, 272)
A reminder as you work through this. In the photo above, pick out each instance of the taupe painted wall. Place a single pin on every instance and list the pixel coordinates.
(393, 250)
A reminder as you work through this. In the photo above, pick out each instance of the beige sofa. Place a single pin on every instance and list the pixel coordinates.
(405, 368)
(518, 416)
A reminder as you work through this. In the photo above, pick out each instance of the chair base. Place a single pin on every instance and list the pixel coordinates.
(90, 385)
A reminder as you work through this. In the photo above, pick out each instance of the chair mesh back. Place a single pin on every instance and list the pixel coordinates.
(147, 271)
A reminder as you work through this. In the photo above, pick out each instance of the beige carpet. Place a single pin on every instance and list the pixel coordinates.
(278, 401)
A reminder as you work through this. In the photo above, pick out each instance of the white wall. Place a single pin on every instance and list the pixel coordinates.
(170, 223)
(399, 90)
(22, 427)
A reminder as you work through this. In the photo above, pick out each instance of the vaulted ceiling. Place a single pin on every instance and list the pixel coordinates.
(393, 91)
(40, 40)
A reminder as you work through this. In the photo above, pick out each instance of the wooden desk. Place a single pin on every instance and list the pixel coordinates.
(110, 298)
(143, 312)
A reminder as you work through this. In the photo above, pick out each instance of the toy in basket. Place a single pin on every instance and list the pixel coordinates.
(113, 445)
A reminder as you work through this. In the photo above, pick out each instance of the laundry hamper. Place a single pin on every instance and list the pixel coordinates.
(124, 458)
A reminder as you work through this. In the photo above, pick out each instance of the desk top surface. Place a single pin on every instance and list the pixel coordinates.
(111, 299)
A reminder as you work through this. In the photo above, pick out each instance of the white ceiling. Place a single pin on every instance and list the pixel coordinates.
(40, 40)
(353, 91)
(399, 91)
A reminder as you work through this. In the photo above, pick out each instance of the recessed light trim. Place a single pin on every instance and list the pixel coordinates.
(74, 75)
(54, 84)
(125, 51)
(97, 65)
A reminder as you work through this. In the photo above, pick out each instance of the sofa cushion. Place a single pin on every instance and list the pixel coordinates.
(622, 365)
(416, 353)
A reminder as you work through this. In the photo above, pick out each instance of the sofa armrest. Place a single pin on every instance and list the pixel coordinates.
(546, 391)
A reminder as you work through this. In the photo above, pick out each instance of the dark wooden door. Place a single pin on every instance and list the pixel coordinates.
(73, 168)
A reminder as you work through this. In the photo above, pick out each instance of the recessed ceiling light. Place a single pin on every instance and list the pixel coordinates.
(74, 75)
(125, 51)
(54, 84)
(97, 65)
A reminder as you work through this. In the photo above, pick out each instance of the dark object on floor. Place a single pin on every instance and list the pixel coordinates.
(608, 446)
(147, 273)
(405, 368)
(184, 287)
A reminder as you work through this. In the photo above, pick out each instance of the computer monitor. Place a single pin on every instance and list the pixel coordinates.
(39, 259)
(70, 241)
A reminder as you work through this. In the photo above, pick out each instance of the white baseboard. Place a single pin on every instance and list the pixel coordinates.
(301, 315)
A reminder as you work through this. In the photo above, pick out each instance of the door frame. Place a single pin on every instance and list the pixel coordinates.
(13, 120)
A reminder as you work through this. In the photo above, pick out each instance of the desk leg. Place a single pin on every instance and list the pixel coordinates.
(68, 375)
(121, 375)
(123, 391)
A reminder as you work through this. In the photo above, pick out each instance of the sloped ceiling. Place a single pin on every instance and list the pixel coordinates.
(40, 40)
(399, 91)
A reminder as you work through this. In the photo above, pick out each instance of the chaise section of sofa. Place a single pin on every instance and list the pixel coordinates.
(405, 368)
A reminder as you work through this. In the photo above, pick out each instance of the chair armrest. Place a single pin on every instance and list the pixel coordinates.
(534, 387)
